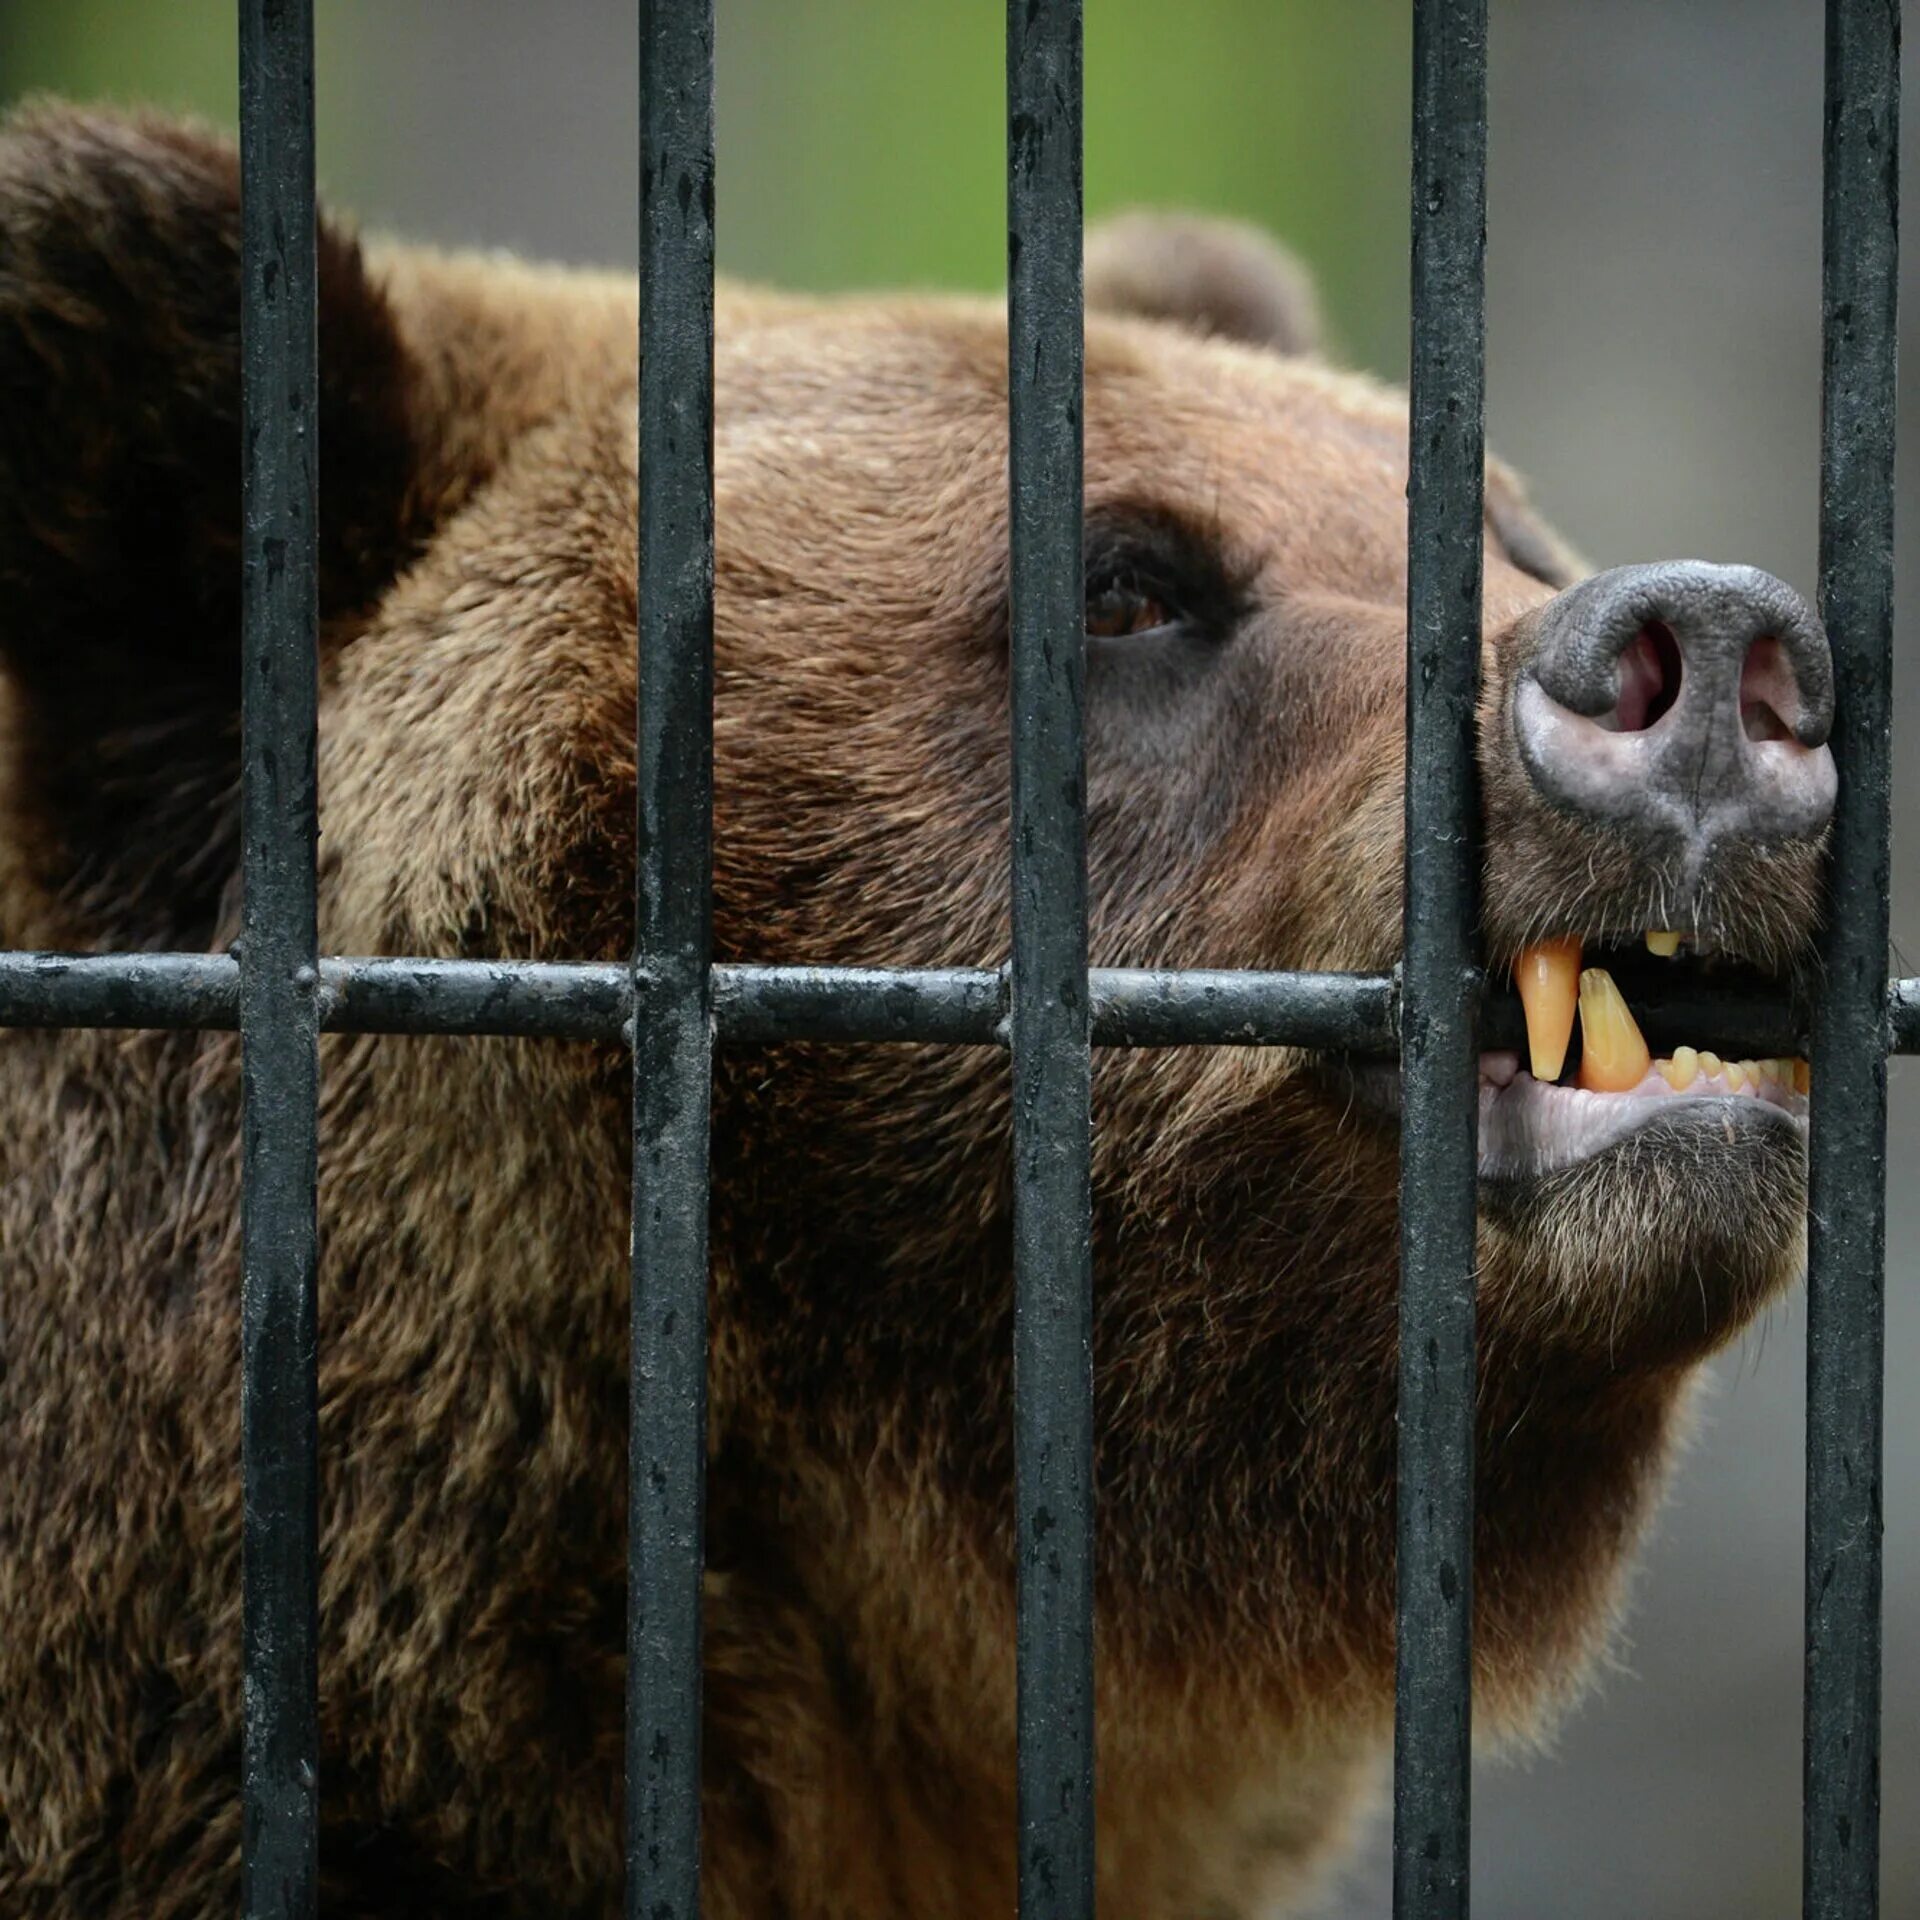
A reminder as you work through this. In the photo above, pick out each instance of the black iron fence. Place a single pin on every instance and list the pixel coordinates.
(673, 1005)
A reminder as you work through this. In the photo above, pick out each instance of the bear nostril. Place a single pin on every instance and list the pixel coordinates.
(1769, 692)
(1686, 703)
(1650, 669)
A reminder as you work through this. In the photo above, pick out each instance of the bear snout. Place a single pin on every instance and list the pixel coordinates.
(1683, 706)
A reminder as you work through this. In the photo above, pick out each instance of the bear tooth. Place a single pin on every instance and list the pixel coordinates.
(1681, 1071)
(1802, 1077)
(1664, 943)
(1613, 1055)
(1548, 976)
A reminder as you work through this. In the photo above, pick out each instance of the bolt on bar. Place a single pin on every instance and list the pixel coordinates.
(278, 998)
(1440, 974)
(1051, 1013)
(671, 984)
(1847, 1145)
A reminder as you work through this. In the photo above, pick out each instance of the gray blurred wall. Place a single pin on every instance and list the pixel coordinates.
(1653, 326)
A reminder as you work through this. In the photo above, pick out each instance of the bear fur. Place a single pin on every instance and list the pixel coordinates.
(479, 490)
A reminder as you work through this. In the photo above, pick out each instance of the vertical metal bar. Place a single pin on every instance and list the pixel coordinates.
(672, 1010)
(1440, 979)
(1846, 1223)
(279, 978)
(1053, 1314)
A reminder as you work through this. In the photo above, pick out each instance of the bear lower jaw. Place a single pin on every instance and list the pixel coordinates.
(1643, 1232)
(1657, 1249)
(1529, 1129)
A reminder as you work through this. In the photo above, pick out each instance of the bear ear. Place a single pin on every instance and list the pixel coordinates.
(1527, 541)
(120, 505)
(1219, 277)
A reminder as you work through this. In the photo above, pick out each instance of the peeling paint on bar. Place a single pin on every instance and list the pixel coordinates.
(1440, 978)
(277, 977)
(671, 980)
(1847, 1141)
(1051, 1015)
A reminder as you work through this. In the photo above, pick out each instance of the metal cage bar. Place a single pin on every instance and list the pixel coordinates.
(1439, 1044)
(278, 977)
(671, 984)
(1847, 1144)
(1051, 1013)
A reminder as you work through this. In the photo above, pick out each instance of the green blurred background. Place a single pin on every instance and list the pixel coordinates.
(866, 115)
(1653, 314)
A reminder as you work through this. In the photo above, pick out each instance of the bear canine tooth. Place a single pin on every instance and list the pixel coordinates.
(1548, 976)
(1613, 1056)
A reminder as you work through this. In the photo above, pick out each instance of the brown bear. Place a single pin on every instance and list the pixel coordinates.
(1652, 765)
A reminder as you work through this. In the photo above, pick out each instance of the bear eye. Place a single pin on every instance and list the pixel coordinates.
(1123, 607)
(1151, 574)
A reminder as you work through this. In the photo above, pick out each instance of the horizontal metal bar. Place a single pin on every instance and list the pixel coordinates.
(1690, 1011)
(955, 1006)
(759, 1005)
(963, 1006)
(158, 991)
(1356, 1012)
(522, 999)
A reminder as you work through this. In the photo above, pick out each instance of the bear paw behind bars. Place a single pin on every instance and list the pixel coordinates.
(1652, 760)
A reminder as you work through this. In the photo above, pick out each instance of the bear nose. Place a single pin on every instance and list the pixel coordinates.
(1684, 704)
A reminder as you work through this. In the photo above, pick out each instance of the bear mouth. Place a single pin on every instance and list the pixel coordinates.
(1529, 1127)
(1587, 1080)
